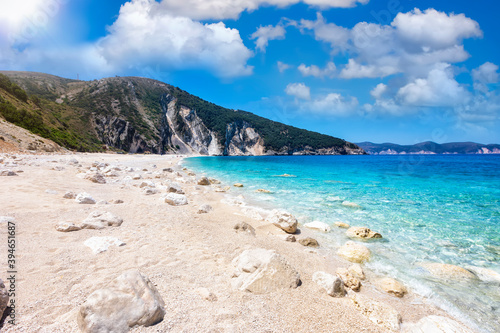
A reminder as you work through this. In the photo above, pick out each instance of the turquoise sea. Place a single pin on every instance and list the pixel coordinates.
(429, 208)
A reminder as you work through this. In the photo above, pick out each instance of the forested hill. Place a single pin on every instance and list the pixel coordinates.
(135, 114)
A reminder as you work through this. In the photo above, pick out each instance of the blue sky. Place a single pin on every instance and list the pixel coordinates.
(381, 71)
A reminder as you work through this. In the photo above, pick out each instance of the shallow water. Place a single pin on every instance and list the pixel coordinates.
(429, 208)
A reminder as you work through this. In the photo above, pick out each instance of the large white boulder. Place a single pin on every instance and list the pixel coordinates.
(130, 300)
(283, 220)
(331, 284)
(261, 271)
(101, 220)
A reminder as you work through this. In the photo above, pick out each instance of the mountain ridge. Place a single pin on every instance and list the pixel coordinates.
(136, 115)
(429, 147)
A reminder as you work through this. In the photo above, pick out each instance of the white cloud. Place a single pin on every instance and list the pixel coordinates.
(335, 3)
(337, 36)
(412, 44)
(439, 88)
(486, 73)
(298, 90)
(264, 34)
(378, 91)
(434, 29)
(354, 70)
(231, 9)
(141, 36)
(282, 66)
(332, 104)
(313, 70)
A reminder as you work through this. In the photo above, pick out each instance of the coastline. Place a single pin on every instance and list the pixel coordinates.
(177, 248)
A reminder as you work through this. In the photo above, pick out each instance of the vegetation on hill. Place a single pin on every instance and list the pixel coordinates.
(65, 126)
(62, 110)
(12, 88)
(276, 135)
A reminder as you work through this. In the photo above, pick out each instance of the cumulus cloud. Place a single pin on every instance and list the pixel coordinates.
(282, 66)
(434, 29)
(378, 91)
(332, 104)
(142, 35)
(298, 90)
(338, 37)
(264, 34)
(486, 73)
(354, 70)
(313, 70)
(231, 9)
(412, 44)
(439, 88)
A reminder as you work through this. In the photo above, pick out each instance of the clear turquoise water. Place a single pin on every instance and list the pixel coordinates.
(429, 208)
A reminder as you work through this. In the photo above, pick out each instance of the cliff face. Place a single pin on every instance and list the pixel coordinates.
(183, 130)
(140, 115)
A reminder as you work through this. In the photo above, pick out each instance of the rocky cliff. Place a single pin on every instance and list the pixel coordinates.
(139, 115)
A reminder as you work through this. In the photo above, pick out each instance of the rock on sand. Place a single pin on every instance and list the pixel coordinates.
(260, 271)
(175, 199)
(379, 313)
(362, 232)
(101, 220)
(331, 284)
(391, 286)
(67, 227)
(130, 300)
(349, 280)
(354, 252)
(85, 198)
(102, 244)
(283, 220)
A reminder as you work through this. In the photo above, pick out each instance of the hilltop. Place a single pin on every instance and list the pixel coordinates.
(137, 115)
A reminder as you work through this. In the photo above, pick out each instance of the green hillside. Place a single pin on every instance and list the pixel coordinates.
(65, 125)
(125, 113)
(276, 135)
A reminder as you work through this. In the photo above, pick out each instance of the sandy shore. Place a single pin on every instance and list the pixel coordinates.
(177, 248)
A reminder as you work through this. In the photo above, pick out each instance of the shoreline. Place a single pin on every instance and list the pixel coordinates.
(177, 248)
